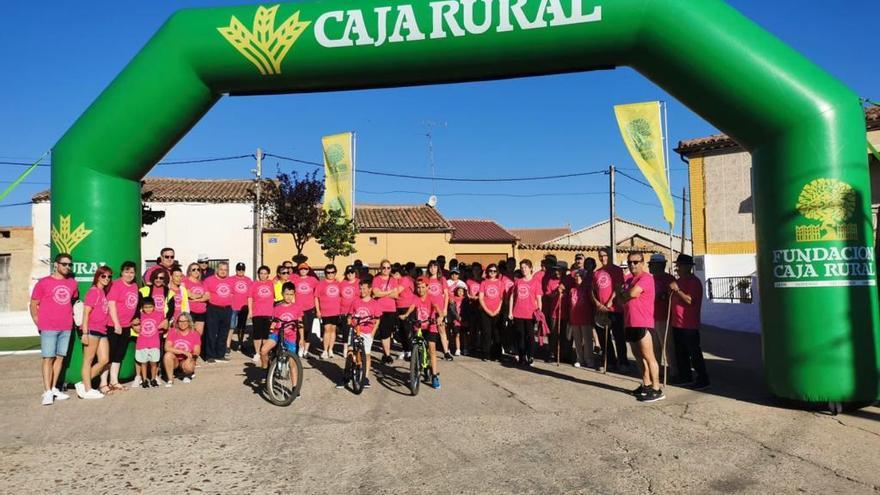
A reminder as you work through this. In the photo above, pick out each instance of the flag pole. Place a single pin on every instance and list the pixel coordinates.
(668, 181)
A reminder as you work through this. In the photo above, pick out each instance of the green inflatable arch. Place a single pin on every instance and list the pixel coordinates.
(804, 128)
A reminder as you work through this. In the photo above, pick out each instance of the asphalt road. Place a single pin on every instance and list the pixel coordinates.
(490, 429)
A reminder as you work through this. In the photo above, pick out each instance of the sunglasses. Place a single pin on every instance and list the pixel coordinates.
(493, 271)
(65, 263)
(161, 279)
(386, 267)
(195, 269)
(634, 262)
(330, 272)
(104, 276)
(168, 257)
(283, 272)
(182, 321)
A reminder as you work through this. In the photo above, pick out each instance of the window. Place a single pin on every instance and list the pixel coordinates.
(374, 240)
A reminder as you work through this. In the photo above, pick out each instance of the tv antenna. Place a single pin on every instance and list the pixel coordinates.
(430, 125)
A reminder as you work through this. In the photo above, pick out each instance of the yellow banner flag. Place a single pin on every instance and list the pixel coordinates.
(642, 133)
(339, 172)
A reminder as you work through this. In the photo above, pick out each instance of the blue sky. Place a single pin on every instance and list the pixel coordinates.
(57, 60)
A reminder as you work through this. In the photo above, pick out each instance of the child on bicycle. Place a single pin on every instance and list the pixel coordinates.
(426, 313)
(286, 311)
(364, 314)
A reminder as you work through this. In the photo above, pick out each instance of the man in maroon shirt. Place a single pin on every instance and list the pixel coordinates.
(607, 282)
(687, 298)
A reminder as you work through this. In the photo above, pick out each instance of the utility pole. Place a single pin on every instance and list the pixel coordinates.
(258, 218)
(612, 215)
(684, 214)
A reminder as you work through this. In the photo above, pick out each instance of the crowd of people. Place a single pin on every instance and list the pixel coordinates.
(583, 314)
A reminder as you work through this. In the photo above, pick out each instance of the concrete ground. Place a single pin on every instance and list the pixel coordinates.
(490, 429)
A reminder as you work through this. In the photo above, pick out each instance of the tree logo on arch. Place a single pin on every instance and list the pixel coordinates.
(831, 202)
(264, 46)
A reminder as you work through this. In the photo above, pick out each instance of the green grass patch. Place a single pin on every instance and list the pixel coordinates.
(19, 343)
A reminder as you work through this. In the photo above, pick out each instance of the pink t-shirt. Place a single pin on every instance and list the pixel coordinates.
(220, 290)
(289, 312)
(305, 291)
(551, 298)
(56, 303)
(350, 291)
(368, 312)
(580, 305)
(178, 302)
(158, 296)
(437, 291)
(605, 280)
(473, 288)
(186, 343)
(639, 312)
(329, 296)
(407, 295)
(99, 315)
(148, 337)
(507, 283)
(150, 270)
(241, 289)
(661, 295)
(385, 304)
(425, 310)
(683, 315)
(126, 298)
(263, 295)
(525, 296)
(195, 289)
(493, 293)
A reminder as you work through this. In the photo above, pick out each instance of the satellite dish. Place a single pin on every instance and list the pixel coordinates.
(432, 201)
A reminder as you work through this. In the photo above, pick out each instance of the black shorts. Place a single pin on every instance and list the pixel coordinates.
(386, 325)
(261, 327)
(431, 336)
(337, 320)
(635, 334)
(198, 317)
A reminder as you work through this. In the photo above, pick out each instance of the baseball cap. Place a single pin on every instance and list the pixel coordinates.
(303, 266)
(239, 266)
(657, 258)
(684, 259)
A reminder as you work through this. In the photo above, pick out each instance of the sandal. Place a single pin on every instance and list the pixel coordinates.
(117, 387)
(106, 390)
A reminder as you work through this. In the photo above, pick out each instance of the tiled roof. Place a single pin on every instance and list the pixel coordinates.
(537, 236)
(723, 141)
(171, 190)
(480, 231)
(572, 247)
(399, 218)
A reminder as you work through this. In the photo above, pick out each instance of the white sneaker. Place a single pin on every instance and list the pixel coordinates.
(256, 358)
(458, 352)
(299, 352)
(59, 395)
(136, 382)
(80, 389)
(577, 365)
(324, 355)
(330, 354)
(48, 398)
(168, 384)
(92, 394)
(186, 379)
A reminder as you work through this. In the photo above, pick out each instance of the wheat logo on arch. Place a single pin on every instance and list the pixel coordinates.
(67, 240)
(831, 202)
(264, 46)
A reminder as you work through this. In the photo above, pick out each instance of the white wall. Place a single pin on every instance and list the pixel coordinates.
(220, 230)
(600, 235)
(730, 315)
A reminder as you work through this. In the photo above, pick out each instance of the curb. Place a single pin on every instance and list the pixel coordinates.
(16, 353)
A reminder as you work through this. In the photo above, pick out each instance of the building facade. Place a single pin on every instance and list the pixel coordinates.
(16, 258)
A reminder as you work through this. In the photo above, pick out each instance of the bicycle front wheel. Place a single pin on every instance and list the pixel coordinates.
(284, 384)
(358, 369)
(415, 365)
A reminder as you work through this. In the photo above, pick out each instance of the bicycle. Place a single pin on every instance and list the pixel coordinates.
(356, 358)
(418, 364)
(280, 386)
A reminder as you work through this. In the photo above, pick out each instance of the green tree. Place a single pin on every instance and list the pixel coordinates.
(293, 206)
(149, 216)
(336, 234)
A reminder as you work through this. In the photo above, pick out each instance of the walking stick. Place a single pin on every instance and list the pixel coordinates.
(605, 352)
(558, 311)
(665, 333)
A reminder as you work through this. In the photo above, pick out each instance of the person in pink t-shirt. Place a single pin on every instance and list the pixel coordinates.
(491, 300)
(122, 305)
(637, 297)
(261, 300)
(182, 346)
(147, 345)
(426, 311)
(219, 313)
(385, 291)
(286, 327)
(687, 298)
(197, 297)
(94, 337)
(657, 267)
(241, 288)
(328, 308)
(403, 302)
(525, 300)
(364, 315)
(580, 319)
(306, 283)
(439, 294)
(607, 281)
(51, 309)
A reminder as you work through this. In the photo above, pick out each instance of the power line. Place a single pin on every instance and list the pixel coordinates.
(446, 179)
(630, 177)
(493, 195)
(15, 204)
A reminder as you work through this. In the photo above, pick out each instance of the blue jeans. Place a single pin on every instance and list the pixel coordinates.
(54, 343)
(216, 328)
